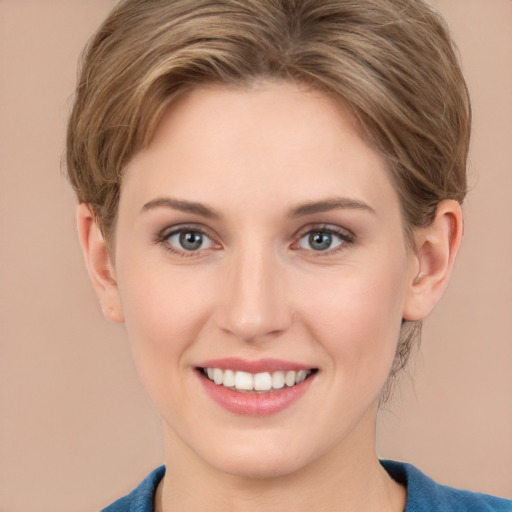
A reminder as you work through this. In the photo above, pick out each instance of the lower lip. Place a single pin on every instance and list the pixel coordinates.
(255, 404)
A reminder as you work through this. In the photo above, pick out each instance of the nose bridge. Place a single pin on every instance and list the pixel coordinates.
(255, 303)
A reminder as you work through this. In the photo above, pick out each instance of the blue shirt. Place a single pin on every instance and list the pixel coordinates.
(423, 494)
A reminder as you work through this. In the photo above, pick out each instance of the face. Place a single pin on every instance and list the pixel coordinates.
(262, 269)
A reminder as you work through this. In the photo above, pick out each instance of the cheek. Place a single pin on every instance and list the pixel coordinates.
(164, 310)
(356, 317)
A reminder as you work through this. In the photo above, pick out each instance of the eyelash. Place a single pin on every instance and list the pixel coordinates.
(162, 238)
(345, 237)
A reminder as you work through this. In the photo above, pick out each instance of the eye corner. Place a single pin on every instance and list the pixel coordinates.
(330, 239)
(173, 239)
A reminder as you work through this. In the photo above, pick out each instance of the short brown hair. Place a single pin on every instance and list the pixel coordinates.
(392, 62)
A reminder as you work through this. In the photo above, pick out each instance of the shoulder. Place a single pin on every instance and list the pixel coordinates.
(423, 494)
(142, 497)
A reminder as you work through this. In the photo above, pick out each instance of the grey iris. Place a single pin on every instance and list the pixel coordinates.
(191, 241)
(320, 241)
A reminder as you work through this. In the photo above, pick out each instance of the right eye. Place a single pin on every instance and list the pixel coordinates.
(187, 241)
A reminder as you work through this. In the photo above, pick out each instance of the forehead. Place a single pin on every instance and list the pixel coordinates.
(247, 145)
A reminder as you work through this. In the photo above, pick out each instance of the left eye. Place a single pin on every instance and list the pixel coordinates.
(189, 240)
(321, 240)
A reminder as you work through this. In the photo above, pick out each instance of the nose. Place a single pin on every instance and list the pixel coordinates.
(254, 306)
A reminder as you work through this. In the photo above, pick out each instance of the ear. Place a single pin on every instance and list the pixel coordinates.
(99, 264)
(436, 248)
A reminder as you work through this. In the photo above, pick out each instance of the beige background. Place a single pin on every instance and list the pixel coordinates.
(76, 429)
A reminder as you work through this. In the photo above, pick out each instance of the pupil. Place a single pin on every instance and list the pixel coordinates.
(320, 241)
(191, 241)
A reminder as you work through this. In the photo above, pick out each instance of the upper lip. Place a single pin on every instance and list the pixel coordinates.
(255, 366)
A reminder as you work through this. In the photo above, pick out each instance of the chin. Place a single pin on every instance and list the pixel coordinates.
(260, 457)
(260, 467)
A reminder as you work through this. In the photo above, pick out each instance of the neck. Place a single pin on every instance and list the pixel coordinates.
(346, 479)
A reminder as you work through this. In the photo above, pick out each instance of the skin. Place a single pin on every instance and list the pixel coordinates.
(256, 288)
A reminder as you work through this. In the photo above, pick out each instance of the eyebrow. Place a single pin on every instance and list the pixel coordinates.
(327, 205)
(310, 208)
(181, 205)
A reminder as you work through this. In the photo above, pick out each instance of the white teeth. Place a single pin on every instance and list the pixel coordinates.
(301, 375)
(229, 378)
(264, 381)
(244, 381)
(289, 379)
(278, 380)
(218, 376)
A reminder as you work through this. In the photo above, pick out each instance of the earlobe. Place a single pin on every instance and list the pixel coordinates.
(436, 248)
(99, 264)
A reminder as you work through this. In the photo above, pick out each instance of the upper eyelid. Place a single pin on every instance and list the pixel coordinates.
(329, 228)
(168, 231)
(346, 237)
(162, 239)
(171, 230)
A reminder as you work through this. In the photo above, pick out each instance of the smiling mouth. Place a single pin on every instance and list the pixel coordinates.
(263, 382)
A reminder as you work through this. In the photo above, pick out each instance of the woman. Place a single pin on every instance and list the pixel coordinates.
(270, 201)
